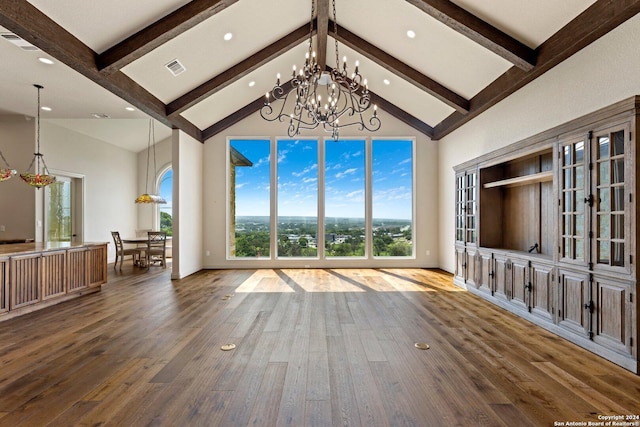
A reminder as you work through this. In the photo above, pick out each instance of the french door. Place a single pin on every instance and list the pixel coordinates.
(63, 210)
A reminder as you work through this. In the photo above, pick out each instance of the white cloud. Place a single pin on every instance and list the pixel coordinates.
(349, 171)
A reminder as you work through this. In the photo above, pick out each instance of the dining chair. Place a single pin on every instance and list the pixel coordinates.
(142, 232)
(121, 251)
(157, 247)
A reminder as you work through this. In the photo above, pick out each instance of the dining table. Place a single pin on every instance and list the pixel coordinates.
(141, 242)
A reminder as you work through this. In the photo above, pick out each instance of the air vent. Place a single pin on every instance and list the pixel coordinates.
(175, 67)
(18, 41)
(100, 116)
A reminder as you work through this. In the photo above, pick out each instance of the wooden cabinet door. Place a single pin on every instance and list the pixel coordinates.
(572, 313)
(24, 288)
(97, 268)
(519, 282)
(541, 294)
(486, 273)
(78, 269)
(612, 314)
(502, 268)
(461, 264)
(54, 269)
(4, 285)
(472, 266)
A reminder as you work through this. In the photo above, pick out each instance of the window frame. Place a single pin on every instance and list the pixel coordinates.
(321, 258)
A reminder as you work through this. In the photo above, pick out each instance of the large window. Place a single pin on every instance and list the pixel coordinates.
(297, 198)
(249, 200)
(165, 190)
(392, 188)
(344, 199)
(320, 199)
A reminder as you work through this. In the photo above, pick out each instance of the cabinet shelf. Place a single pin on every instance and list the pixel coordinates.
(522, 180)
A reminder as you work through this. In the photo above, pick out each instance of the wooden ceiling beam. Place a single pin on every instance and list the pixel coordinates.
(257, 104)
(479, 31)
(401, 69)
(322, 32)
(28, 22)
(238, 71)
(596, 21)
(158, 33)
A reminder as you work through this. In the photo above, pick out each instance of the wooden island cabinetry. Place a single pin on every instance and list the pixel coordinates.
(547, 229)
(37, 275)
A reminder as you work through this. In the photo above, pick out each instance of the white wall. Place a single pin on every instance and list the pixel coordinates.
(215, 192)
(188, 195)
(17, 199)
(605, 72)
(110, 174)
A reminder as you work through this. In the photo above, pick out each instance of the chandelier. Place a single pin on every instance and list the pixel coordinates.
(40, 176)
(146, 197)
(328, 98)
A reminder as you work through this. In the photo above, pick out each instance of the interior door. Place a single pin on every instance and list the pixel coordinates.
(63, 215)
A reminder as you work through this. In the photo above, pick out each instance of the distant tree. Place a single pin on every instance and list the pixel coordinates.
(400, 249)
(342, 249)
(303, 242)
(166, 223)
(252, 244)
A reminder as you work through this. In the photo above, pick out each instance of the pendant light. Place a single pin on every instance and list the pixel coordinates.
(8, 172)
(40, 176)
(146, 197)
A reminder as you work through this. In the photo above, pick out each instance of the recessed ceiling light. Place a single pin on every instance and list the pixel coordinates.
(45, 108)
(46, 61)
(129, 108)
(252, 83)
(386, 81)
(228, 36)
(411, 34)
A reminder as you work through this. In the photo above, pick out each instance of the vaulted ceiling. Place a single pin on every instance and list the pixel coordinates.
(465, 56)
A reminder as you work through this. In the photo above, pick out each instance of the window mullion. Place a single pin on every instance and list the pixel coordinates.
(368, 200)
(321, 199)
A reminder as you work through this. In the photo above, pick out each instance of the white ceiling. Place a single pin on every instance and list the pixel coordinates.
(437, 51)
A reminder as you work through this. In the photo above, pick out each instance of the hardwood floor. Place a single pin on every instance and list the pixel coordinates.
(318, 347)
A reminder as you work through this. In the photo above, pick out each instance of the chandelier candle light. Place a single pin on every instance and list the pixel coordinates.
(146, 197)
(331, 99)
(40, 178)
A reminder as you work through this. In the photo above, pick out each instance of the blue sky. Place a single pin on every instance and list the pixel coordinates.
(166, 191)
(344, 178)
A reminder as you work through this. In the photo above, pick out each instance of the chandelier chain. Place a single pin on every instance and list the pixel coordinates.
(313, 12)
(335, 34)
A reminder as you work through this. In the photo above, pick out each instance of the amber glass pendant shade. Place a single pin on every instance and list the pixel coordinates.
(40, 176)
(150, 198)
(146, 197)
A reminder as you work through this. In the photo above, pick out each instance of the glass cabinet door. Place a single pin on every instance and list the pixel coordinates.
(609, 197)
(460, 207)
(466, 207)
(471, 207)
(593, 225)
(572, 199)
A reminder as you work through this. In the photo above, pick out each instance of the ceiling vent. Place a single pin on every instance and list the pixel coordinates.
(100, 116)
(175, 67)
(18, 41)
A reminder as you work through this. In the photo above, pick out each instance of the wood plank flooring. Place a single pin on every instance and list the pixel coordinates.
(320, 347)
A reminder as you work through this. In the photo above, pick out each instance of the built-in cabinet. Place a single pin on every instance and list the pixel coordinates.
(552, 228)
(33, 276)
